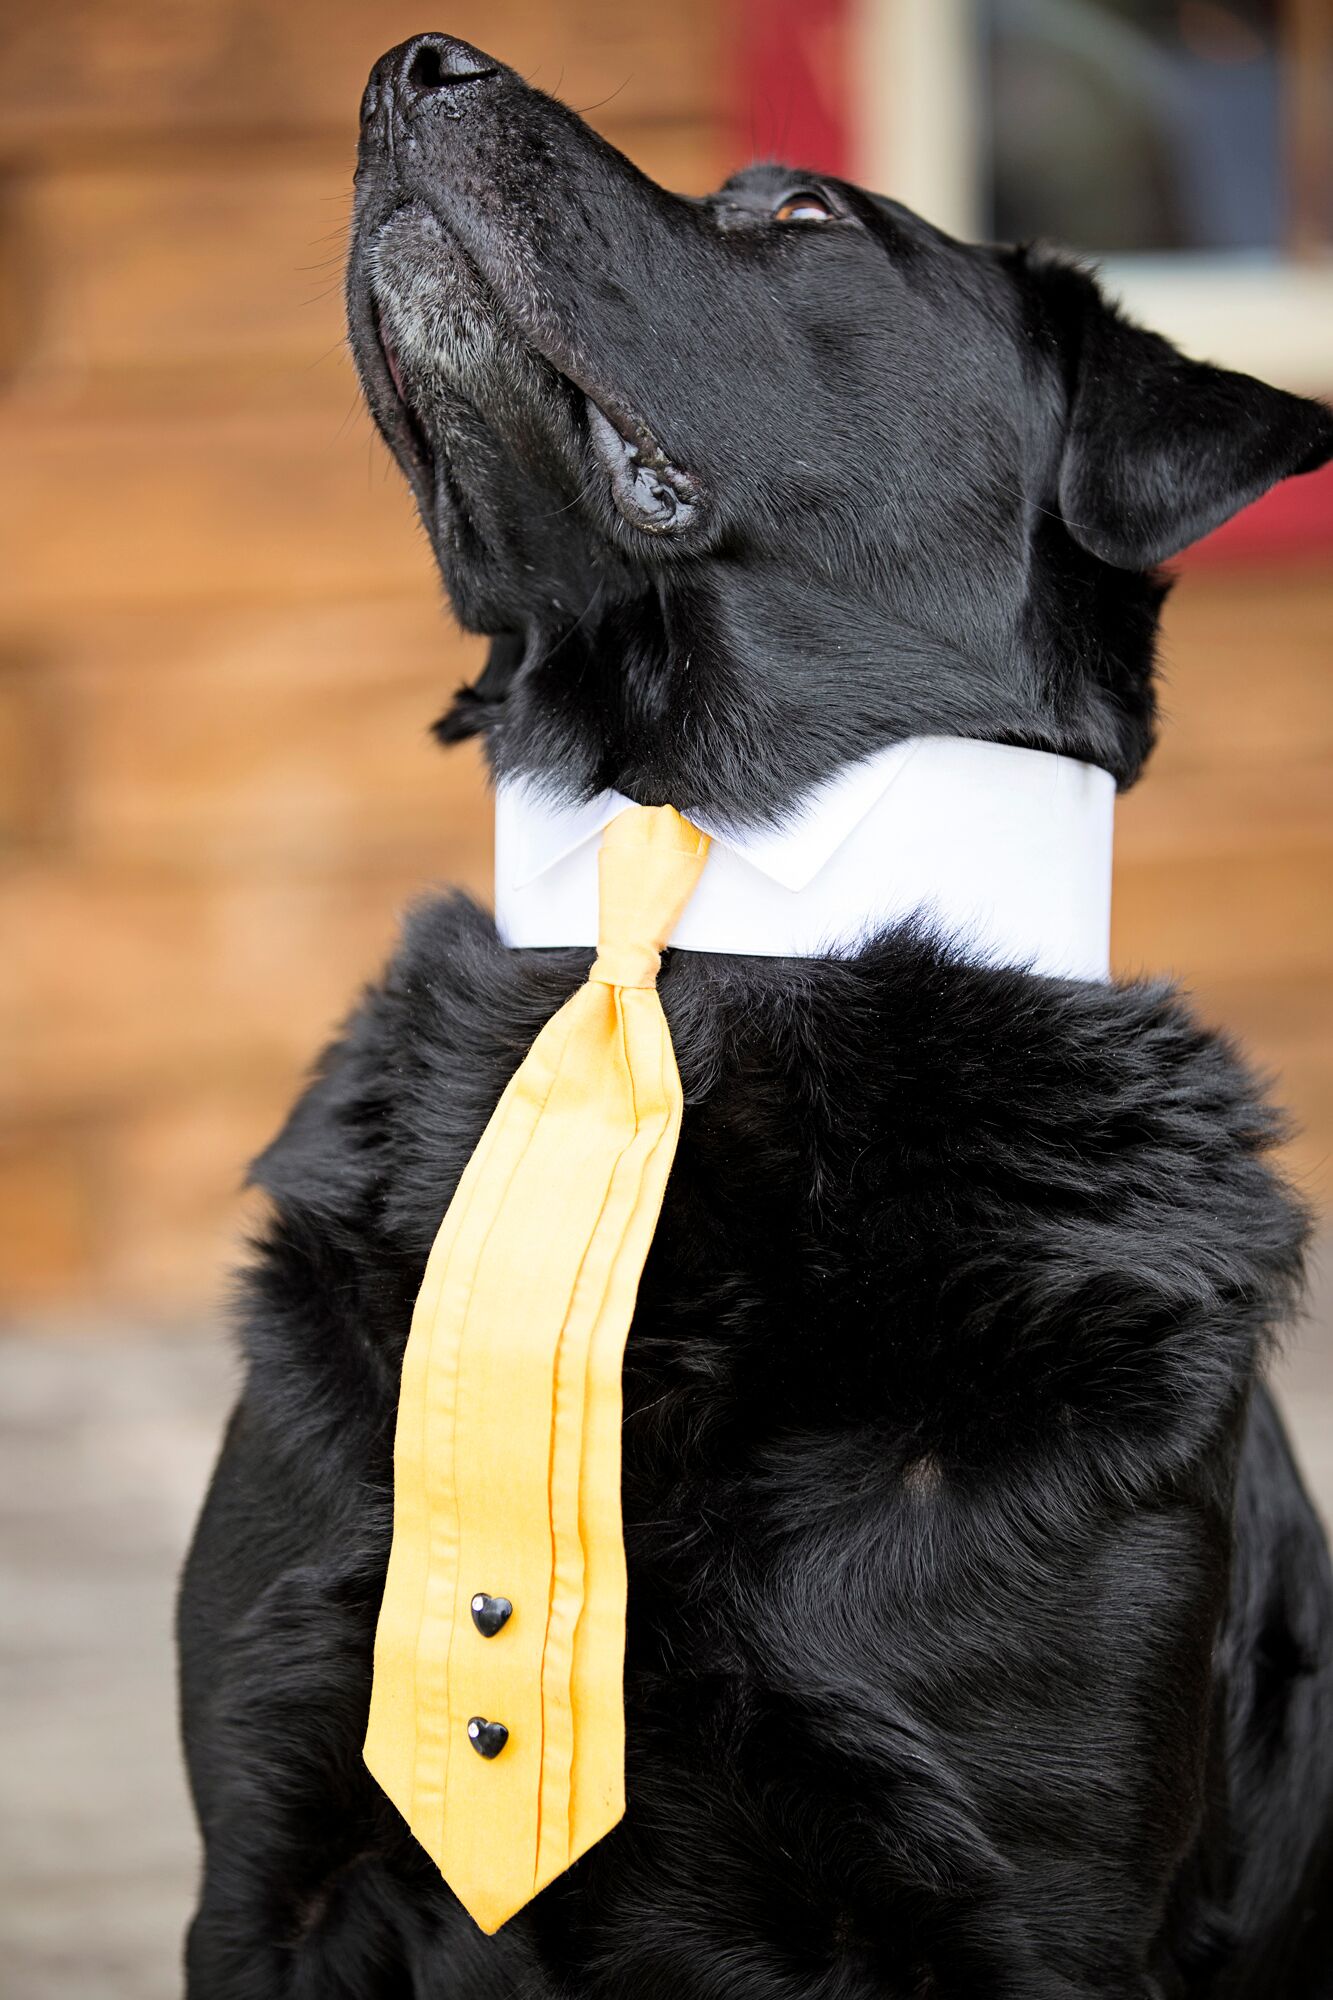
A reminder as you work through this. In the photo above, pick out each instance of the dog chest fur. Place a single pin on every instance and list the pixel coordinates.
(934, 1399)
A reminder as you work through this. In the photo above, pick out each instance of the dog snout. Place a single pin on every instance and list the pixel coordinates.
(429, 68)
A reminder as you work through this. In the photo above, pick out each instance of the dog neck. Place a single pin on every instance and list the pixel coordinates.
(1004, 854)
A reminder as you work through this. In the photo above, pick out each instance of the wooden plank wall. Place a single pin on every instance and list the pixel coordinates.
(221, 641)
(1224, 853)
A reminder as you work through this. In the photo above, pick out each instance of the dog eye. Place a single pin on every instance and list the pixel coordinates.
(804, 206)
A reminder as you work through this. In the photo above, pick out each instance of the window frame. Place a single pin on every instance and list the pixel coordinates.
(915, 133)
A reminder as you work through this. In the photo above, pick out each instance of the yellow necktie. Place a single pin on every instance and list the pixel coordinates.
(497, 1722)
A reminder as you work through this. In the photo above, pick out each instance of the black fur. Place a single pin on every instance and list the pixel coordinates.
(981, 1637)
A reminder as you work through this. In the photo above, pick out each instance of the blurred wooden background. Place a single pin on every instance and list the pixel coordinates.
(221, 641)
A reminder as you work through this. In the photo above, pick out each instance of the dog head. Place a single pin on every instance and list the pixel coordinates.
(744, 487)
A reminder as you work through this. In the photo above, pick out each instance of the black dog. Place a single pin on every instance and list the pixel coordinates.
(981, 1637)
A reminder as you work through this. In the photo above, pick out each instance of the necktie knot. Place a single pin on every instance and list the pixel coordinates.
(626, 965)
(650, 862)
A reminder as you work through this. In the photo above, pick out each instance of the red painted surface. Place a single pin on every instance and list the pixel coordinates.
(791, 68)
(790, 71)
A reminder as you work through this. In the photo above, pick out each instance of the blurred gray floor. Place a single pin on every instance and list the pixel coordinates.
(105, 1445)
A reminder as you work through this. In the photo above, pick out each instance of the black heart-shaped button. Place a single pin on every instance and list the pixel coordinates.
(488, 1739)
(490, 1613)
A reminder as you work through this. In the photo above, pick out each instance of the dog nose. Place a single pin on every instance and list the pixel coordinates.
(428, 67)
(433, 65)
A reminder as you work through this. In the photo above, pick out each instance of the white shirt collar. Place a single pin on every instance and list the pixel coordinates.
(1006, 853)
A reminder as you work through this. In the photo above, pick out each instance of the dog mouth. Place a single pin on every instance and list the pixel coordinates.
(650, 492)
(648, 489)
(408, 433)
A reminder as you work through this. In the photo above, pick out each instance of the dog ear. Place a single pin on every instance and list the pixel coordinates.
(1160, 450)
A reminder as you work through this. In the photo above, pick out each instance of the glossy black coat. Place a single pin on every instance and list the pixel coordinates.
(981, 1637)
